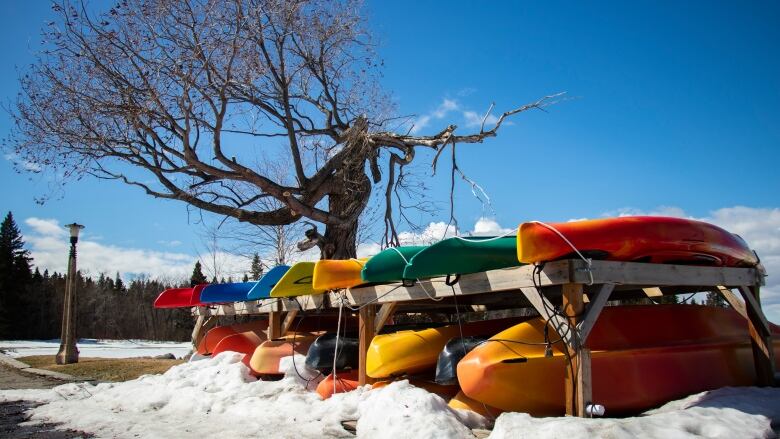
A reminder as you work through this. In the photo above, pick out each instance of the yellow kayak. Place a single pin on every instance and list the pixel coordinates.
(297, 281)
(408, 352)
(265, 359)
(332, 274)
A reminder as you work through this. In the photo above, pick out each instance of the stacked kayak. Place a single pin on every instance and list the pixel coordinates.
(263, 287)
(332, 274)
(180, 297)
(642, 356)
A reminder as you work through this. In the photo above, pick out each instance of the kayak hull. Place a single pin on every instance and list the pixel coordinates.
(333, 274)
(215, 335)
(689, 349)
(242, 342)
(344, 382)
(389, 264)
(297, 281)
(226, 293)
(265, 359)
(180, 297)
(635, 239)
(263, 287)
(463, 256)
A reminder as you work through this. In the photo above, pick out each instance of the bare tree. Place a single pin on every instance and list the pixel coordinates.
(192, 92)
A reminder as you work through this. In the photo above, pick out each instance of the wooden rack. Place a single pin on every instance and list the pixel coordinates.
(580, 288)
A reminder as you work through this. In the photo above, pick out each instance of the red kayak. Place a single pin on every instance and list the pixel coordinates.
(635, 239)
(180, 297)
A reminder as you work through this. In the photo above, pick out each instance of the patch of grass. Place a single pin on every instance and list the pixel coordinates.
(103, 369)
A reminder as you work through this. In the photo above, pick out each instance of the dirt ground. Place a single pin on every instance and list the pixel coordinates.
(13, 414)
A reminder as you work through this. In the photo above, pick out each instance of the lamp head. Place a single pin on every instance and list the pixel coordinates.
(74, 231)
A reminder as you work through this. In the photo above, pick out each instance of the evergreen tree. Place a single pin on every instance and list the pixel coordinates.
(256, 269)
(197, 277)
(715, 299)
(15, 276)
(245, 279)
(118, 285)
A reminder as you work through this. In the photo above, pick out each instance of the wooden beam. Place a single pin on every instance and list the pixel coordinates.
(289, 319)
(578, 386)
(732, 299)
(275, 323)
(653, 292)
(202, 325)
(386, 311)
(366, 325)
(635, 273)
(543, 307)
(593, 311)
(760, 337)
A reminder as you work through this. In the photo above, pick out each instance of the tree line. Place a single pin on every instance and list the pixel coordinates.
(31, 301)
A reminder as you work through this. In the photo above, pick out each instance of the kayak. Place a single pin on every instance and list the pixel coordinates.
(446, 392)
(243, 342)
(333, 274)
(463, 402)
(463, 256)
(408, 352)
(453, 352)
(297, 281)
(226, 293)
(641, 357)
(212, 338)
(635, 239)
(320, 354)
(265, 359)
(265, 284)
(180, 297)
(389, 264)
(345, 382)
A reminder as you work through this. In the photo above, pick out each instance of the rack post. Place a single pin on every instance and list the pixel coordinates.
(275, 323)
(760, 337)
(578, 376)
(366, 330)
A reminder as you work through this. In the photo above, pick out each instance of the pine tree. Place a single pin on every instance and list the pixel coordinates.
(197, 277)
(118, 284)
(15, 276)
(715, 299)
(245, 279)
(256, 269)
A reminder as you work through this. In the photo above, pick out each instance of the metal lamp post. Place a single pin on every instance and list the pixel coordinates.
(68, 352)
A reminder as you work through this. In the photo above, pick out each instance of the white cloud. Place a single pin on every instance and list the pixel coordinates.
(475, 120)
(445, 107)
(490, 227)
(48, 227)
(174, 243)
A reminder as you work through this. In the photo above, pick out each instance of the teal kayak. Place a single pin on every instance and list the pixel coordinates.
(462, 256)
(389, 264)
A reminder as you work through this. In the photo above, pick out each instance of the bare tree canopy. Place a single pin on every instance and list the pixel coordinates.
(201, 95)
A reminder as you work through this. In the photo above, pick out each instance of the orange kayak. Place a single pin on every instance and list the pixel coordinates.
(243, 342)
(463, 402)
(265, 358)
(638, 239)
(332, 274)
(216, 334)
(445, 392)
(641, 357)
(345, 382)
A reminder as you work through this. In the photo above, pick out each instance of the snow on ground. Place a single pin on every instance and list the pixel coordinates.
(97, 348)
(219, 397)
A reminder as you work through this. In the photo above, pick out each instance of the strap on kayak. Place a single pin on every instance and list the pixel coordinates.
(588, 261)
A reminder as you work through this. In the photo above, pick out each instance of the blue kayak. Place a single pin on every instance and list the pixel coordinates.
(263, 287)
(225, 293)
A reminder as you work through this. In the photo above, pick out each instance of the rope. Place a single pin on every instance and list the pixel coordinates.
(588, 261)
(336, 349)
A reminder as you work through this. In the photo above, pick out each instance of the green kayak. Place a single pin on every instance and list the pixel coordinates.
(463, 256)
(389, 264)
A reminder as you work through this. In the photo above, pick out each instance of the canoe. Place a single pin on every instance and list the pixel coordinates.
(409, 352)
(265, 358)
(463, 256)
(265, 284)
(320, 354)
(389, 264)
(332, 274)
(462, 402)
(453, 352)
(212, 338)
(296, 281)
(345, 382)
(243, 342)
(180, 297)
(226, 293)
(637, 239)
(642, 357)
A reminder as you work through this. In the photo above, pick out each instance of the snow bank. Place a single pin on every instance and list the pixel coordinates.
(724, 413)
(97, 348)
(220, 397)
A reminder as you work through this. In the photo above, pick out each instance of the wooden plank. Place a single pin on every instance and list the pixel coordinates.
(202, 325)
(593, 311)
(289, 319)
(275, 323)
(507, 279)
(584, 381)
(386, 311)
(578, 368)
(732, 299)
(366, 325)
(543, 307)
(635, 273)
(760, 337)
(653, 292)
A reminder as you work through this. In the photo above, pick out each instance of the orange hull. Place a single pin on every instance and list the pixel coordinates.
(345, 382)
(215, 335)
(463, 402)
(642, 357)
(446, 392)
(243, 342)
(332, 274)
(265, 359)
(640, 239)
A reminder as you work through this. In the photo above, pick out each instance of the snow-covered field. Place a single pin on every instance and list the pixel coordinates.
(97, 348)
(219, 397)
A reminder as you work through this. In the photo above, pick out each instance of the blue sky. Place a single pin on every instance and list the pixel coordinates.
(674, 108)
